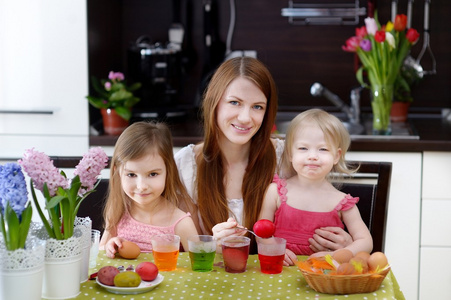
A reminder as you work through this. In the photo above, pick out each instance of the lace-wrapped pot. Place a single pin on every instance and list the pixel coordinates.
(62, 265)
(85, 225)
(22, 268)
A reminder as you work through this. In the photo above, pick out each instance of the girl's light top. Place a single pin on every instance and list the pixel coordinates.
(140, 233)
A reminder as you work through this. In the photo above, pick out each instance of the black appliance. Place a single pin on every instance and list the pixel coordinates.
(158, 68)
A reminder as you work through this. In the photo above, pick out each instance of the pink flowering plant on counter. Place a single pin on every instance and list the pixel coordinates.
(15, 209)
(114, 93)
(63, 196)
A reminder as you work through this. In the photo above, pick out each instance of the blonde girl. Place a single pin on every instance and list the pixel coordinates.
(145, 190)
(304, 199)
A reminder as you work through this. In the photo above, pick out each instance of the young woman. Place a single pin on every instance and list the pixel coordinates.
(228, 173)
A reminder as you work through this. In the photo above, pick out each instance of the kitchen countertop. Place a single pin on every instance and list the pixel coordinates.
(434, 135)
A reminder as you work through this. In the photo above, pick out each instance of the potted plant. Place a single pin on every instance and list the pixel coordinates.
(115, 100)
(22, 255)
(402, 97)
(63, 198)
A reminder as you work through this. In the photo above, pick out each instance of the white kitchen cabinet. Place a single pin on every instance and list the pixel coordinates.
(436, 227)
(43, 77)
(402, 242)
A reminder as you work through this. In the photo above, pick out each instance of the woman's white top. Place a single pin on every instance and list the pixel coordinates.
(186, 164)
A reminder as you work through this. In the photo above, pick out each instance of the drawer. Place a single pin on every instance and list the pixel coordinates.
(435, 275)
(436, 223)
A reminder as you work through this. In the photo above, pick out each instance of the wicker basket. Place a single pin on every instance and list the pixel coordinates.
(345, 284)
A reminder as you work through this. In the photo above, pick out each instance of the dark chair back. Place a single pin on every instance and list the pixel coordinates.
(372, 185)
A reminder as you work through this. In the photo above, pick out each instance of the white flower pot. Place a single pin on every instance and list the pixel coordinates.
(22, 270)
(62, 266)
(85, 225)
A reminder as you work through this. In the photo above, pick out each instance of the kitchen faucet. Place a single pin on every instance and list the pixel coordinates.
(352, 113)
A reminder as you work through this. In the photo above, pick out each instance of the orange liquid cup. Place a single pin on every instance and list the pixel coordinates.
(165, 249)
(166, 261)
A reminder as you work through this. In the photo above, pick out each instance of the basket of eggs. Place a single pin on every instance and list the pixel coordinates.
(345, 273)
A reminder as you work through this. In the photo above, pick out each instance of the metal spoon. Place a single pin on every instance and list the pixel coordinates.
(242, 228)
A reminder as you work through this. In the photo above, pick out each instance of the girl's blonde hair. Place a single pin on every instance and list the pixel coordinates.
(138, 140)
(260, 170)
(335, 133)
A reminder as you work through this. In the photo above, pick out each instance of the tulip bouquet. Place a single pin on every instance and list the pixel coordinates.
(15, 209)
(382, 50)
(62, 195)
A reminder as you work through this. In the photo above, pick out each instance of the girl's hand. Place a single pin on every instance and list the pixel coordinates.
(290, 258)
(112, 245)
(329, 239)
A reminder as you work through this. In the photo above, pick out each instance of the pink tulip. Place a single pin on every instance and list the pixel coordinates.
(351, 44)
(371, 26)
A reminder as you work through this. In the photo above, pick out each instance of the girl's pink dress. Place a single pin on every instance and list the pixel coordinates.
(140, 233)
(297, 226)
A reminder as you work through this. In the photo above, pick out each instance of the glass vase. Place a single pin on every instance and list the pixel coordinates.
(381, 102)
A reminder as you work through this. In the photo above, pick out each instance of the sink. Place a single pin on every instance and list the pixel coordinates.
(356, 131)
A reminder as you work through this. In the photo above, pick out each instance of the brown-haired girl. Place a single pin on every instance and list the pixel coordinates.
(145, 190)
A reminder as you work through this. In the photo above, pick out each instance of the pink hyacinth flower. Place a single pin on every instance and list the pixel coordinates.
(40, 169)
(90, 167)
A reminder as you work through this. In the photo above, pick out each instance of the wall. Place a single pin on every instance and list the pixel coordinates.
(296, 55)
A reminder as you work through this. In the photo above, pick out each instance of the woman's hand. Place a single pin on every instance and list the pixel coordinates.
(226, 229)
(329, 239)
(290, 258)
(112, 246)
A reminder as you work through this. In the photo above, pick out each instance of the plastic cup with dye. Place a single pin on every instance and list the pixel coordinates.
(235, 252)
(202, 250)
(271, 252)
(165, 249)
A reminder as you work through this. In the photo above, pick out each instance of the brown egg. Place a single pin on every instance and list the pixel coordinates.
(363, 254)
(345, 269)
(129, 250)
(377, 261)
(342, 255)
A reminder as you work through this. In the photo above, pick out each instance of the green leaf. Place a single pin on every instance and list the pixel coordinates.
(12, 226)
(41, 214)
(25, 225)
(130, 102)
(125, 113)
(134, 86)
(3, 229)
(99, 88)
(54, 201)
(120, 95)
(97, 102)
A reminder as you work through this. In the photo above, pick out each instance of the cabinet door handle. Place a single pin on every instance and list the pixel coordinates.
(29, 112)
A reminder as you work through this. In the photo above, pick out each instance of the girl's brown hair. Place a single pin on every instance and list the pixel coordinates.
(212, 202)
(138, 140)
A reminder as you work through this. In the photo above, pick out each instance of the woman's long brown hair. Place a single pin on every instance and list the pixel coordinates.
(260, 170)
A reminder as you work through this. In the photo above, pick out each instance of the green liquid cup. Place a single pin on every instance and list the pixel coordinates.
(202, 250)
